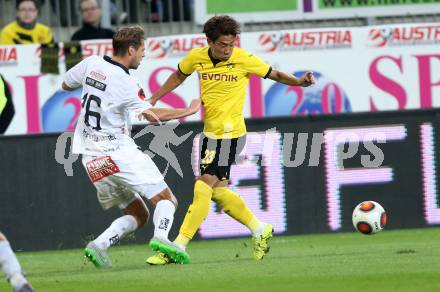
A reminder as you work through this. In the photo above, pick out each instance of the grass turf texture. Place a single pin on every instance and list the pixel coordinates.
(406, 260)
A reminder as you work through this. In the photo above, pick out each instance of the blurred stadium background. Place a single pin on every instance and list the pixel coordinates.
(377, 64)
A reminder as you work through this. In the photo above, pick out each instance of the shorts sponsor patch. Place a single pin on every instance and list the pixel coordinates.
(101, 167)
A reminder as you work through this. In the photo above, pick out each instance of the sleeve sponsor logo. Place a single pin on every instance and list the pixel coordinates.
(141, 94)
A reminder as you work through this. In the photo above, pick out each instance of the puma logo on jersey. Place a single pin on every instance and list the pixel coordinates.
(219, 77)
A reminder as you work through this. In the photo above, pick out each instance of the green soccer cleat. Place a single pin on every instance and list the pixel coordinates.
(159, 259)
(97, 256)
(261, 242)
(174, 252)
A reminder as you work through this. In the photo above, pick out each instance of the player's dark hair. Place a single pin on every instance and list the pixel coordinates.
(126, 37)
(220, 25)
(36, 3)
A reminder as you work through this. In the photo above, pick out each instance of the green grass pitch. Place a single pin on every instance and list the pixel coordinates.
(407, 260)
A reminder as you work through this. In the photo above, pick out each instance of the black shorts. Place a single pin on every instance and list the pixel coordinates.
(217, 155)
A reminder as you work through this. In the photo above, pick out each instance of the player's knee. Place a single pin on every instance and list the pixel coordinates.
(209, 179)
(166, 194)
(142, 217)
(2, 237)
(139, 211)
(228, 199)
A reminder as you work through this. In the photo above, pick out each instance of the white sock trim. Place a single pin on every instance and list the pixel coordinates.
(260, 229)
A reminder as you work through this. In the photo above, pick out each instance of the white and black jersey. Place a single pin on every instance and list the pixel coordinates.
(109, 94)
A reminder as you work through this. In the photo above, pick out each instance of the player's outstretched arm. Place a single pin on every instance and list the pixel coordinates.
(172, 82)
(155, 115)
(306, 80)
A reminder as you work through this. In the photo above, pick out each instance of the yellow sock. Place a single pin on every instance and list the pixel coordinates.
(182, 239)
(234, 206)
(197, 211)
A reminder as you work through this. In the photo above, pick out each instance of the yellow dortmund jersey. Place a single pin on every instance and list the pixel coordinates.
(223, 88)
(13, 33)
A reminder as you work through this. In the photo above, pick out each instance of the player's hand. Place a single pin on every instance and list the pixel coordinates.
(152, 101)
(307, 79)
(195, 105)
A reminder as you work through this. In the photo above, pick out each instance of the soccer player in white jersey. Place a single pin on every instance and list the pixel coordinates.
(121, 173)
(11, 267)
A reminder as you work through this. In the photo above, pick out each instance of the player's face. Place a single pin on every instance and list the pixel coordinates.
(27, 12)
(138, 55)
(222, 47)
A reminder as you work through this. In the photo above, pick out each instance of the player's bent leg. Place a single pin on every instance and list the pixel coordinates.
(161, 196)
(163, 217)
(11, 268)
(136, 216)
(194, 217)
(198, 210)
(234, 206)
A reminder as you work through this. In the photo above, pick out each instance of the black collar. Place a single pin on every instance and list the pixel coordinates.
(213, 60)
(108, 59)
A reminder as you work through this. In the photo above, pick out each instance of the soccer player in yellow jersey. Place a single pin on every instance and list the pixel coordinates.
(25, 29)
(224, 75)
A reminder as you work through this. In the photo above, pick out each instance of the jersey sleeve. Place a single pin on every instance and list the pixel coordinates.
(255, 65)
(75, 76)
(187, 64)
(134, 99)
